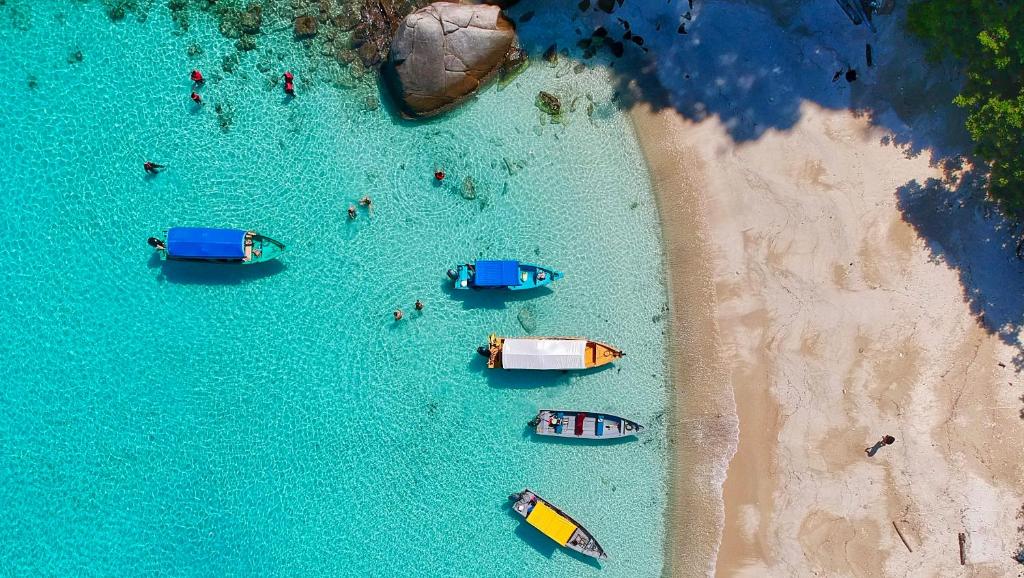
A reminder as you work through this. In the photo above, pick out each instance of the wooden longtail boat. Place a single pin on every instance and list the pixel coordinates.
(217, 245)
(547, 353)
(583, 425)
(511, 275)
(556, 524)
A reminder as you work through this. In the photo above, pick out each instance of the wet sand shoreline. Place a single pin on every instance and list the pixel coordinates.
(703, 430)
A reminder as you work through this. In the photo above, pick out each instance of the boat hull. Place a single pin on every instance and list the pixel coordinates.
(580, 540)
(583, 425)
(530, 277)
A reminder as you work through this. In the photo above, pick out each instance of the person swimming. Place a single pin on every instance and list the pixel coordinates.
(289, 83)
(439, 174)
(367, 202)
(196, 98)
(398, 314)
(197, 77)
(151, 167)
(419, 305)
(351, 211)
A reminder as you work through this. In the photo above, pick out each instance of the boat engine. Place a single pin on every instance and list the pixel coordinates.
(155, 243)
(452, 274)
(484, 351)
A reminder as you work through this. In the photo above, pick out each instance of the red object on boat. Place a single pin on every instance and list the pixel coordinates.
(579, 423)
(197, 77)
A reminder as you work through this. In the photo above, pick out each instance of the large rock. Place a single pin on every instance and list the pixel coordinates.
(445, 52)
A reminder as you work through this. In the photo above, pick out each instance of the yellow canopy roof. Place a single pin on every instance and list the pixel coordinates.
(553, 524)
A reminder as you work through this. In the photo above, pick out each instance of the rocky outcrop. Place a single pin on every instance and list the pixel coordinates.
(445, 52)
(378, 20)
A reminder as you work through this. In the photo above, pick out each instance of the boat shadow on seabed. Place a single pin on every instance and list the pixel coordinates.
(190, 273)
(491, 298)
(530, 434)
(525, 379)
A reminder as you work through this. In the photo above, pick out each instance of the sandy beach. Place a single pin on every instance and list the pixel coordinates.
(836, 276)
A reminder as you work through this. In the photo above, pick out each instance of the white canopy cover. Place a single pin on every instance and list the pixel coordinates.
(543, 353)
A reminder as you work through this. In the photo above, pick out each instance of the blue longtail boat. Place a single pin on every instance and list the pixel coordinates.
(236, 246)
(511, 275)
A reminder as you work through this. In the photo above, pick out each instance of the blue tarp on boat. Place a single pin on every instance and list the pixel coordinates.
(497, 274)
(198, 243)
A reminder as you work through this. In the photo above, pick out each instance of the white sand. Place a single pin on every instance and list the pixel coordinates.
(842, 304)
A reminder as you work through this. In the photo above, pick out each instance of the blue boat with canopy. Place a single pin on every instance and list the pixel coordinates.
(217, 245)
(511, 275)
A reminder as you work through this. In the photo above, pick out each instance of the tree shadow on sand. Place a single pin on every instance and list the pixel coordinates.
(753, 64)
(965, 231)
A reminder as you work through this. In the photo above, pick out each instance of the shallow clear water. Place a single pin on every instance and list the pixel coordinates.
(201, 420)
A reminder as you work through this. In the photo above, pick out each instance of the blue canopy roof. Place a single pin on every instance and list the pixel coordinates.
(497, 274)
(198, 243)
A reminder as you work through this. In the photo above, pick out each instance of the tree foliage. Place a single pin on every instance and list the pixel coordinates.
(988, 36)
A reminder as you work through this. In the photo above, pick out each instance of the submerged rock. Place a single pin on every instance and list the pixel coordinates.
(229, 62)
(235, 22)
(251, 20)
(305, 27)
(549, 103)
(551, 54)
(468, 189)
(527, 321)
(516, 62)
(445, 52)
(246, 43)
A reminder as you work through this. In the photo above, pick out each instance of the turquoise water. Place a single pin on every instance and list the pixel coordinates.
(275, 420)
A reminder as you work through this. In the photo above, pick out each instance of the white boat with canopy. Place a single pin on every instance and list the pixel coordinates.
(548, 353)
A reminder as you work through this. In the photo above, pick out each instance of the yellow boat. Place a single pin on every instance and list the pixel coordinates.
(556, 524)
(547, 353)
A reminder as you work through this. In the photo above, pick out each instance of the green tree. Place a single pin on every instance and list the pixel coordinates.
(988, 36)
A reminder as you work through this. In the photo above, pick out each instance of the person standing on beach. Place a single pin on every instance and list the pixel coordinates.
(887, 440)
